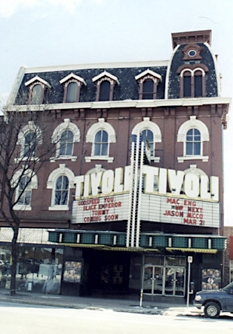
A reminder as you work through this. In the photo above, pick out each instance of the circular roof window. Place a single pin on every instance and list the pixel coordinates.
(192, 53)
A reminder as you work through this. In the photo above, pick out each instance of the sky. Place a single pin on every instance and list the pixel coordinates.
(61, 32)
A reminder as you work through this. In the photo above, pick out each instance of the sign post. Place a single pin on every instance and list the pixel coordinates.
(190, 260)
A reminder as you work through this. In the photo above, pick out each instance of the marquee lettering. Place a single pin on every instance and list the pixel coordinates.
(173, 182)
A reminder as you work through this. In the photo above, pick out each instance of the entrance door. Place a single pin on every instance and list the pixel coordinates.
(153, 279)
(174, 281)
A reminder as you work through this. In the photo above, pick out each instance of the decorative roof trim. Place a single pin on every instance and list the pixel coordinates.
(107, 65)
(73, 76)
(148, 72)
(105, 74)
(37, 78)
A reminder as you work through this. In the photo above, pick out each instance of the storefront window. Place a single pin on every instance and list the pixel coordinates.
(38, 269)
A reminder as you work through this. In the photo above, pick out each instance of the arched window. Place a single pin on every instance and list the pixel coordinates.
(101, 143)
(61, 190)
(37, 89)
(148, 137)
(150, 134)
(72, 92)
(105, 83)
(193, 133)
(193, 142)
(60, 181)
(198, 84)
(72, 87)
(29, 145)
(104, 91)
(24, 191)
(66, 143)
(187, 84)
(101, 135)
(192, 80)
(65, 135)
(24, 181)
(148, 82)
(37, 94)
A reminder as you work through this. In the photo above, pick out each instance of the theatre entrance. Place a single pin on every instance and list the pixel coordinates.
(168, 278)
(106, 272)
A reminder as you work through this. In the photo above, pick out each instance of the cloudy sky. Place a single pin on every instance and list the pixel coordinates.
(58, 32)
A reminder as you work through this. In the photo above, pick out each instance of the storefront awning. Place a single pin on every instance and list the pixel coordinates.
(110, 240)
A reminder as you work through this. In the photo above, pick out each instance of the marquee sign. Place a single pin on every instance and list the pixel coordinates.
(179, 211)
(102, 209)
(168, 196)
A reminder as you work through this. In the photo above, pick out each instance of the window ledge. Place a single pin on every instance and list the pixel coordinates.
(64, 157)
(193, 157)
(155, 159)
(108, 159)
(19, 207)
(26, 159)
(59, 208)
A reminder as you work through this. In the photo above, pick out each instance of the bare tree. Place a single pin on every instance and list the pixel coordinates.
(25, 146)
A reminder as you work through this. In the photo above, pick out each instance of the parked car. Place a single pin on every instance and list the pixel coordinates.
(215, 301)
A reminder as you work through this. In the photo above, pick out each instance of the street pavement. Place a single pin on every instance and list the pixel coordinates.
(115, 304)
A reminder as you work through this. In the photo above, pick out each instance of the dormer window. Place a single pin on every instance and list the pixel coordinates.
(192, 80)
(72, 87)
(37, 88)
(105, 83)
(148, 82)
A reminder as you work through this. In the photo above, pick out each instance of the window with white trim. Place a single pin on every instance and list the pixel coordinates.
(61, 190)
(66, 143)
(24, 192)
(61, 180)
(193, 142)
(29, 149)
(150, 134)
(25, 183)
(65, 135)
(105, 83)
(193, 133)
(148, 137)
(101, 143)
(148, 82)
(72, 87)
(29, 137)
(101, 135)
(38, 88)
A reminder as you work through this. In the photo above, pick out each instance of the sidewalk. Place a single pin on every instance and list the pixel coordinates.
(89, 303)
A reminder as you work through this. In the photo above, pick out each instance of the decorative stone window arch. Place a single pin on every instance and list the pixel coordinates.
(105, 93)
(72, 87)
(57, 135)
(61, 171)
(98, 168)
(192, 80)
(193, 123)
(146, 124)
(37, 88)
(91, 137)
(148, 91)
(25, 201)
(30, 128)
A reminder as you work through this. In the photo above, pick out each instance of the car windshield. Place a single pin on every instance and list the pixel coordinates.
(229, 286)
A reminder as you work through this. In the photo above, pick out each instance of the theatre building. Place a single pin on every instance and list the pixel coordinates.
(133, 198)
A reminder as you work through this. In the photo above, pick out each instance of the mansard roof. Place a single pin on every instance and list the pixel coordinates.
(124, 73)
(185, 45)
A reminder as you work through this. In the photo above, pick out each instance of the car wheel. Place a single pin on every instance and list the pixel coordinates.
(212, 310)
